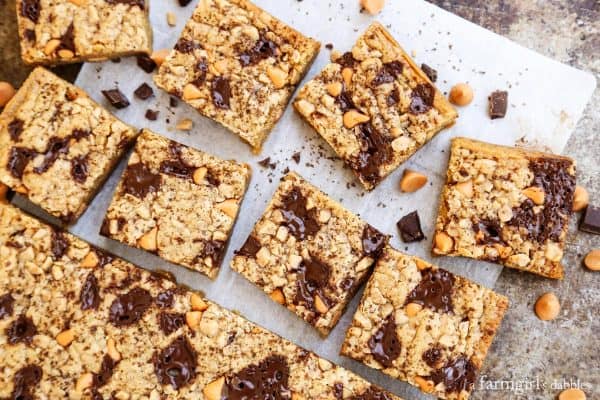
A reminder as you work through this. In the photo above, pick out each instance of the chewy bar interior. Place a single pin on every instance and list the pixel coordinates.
(506, 205)
(57, 146)
(66, 31)
(423, 325)
(309, 253)
(177, 202)
(238, 65)
(78, 323)
(374, 106)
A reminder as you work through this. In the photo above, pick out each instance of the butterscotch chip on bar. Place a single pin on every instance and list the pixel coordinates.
(238, 65)
(386, 110)
(421, 324)
(67, 31)
(57, 146)
(177, 202)
(113, 330)
(506, 205)
(309, 253)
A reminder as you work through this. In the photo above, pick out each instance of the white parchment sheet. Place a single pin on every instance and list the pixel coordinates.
(545, 101)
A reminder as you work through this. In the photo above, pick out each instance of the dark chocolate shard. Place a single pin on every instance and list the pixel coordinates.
(59, 244)
(89, 297)
(385, 345)
(31, 9)
(201, 71)
(347, 60)
(434, 291)
(488, 231)
(221, 92)
(129, 308)
(146, 63)
(388, 73)
(165, 299)
(21, 330)
(344, 100)
(67, 40)
(430, 72)
(456, 375)
(262, 49)
(116, 98)
(250, 247)
(102, 377)
(144, 91)
(372, 393)
(591, 220)
(410, 228)
(422, 98)
(373, 241)
(187, 46)
(432, 356)
(176, 364)
(498, 104)
(265, 380)
(139, 181)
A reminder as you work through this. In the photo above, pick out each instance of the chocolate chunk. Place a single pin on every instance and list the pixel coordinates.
(266, 163)
(498, 103)
(457, 375)
(559, 186)
(177, 168)
(67, 40)
(31, 9)
(56, 147)
(221, 92)
(250, 247)
(201, 71)
(373, 241)
(372, 393)
(347, 60)
(79, 134)
(15, 128)
(393, 98)
(26, 379)
(300, 221)
(184, 3)
(138, 3)
(79, 168)
(103, 257)
(129, 308)
(344, 100)
(170, 322)
(116, 98)
(144, 91)
(30, 35)
(176, 364)
(214, 250)
(432, 356)
(22, 330)
(488, 231)
(591, 220)
(18, 158)
(430, 72)
(422, 98)
(151, 115)
(6, 305)
(146, 63)
(186, 46)
(266, 380)
(388, 73)
(59, 245)
(434, 291)
(312, 277)
(165, 299)
(376, 150)
(296, 157)
(262, 49)
(173, 102)
(103, 376)
(410, 228)
(90, 293)
(138, 181)
(338, 391)
(384, 344)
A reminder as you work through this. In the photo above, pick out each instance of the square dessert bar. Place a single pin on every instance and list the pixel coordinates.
(57, 146)
(77, 323)
(309, 253)
(506, 205)
(67, 31)
(177, 202)
(423, 325)
(238, 65)
(374, 106)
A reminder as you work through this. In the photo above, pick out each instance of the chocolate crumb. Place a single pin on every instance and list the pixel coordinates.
(296, 157)
(144, 92)
(266, 163)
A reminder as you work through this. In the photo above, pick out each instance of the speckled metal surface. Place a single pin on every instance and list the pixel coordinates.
(529, 359)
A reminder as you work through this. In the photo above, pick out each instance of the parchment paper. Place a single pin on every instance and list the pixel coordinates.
(546, 100)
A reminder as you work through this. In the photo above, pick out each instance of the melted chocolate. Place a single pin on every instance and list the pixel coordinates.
(388, 73)
(90, 293)
(177, 168)
(221, 92)
(18, 159)
(186, 46)
(347, 60)
(214, 250)
(384, 344)
(422, 98)
(30, 35)
(140, 3)
(376, 150)
(266, 380)
(300, 222)
(432, 356)
(393, 98)
(103, 376)
(457, 375)
(15, 128)
(79, 169)
(176, 364)
(434, 291)
(170, 322)
(373, 241)
(491, 231)
(201, 71)
(338, 391)
(138, 181)
(250, 247)
(165, 299)
(56, 147)
(59, 245)
(31, 9)
(22, 330)
(372, 393)
(262, 49)
(6, 305)
(24, 381)
(129, 308)
(312, 278)
(344, 100)
(103, 257)
(551, 175)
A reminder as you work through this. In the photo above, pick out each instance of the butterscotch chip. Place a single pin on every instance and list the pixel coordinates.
(191, 92)
(443, 243)
(412, 181)
(192, 319)
(424, 384)
(277, 76)
(413, 309)
(111, 349)
(84, 382)
(373, 6)
(320, 306)
(3, 193)
(535, 194)
(199, 175)
(547, 307)
(148, 240)
(277, 296)
(65, 338)
(229, 207)
(51, 46)
(461, 94)
(466, 188)
(213, 390)
(572, 394)
(334, 89)
(581, 198)
(184, 125)
(197, 303)
(353, 118)
(7, 91)
(159, 56)
(592, 260)
(171, 19)
(90, 260)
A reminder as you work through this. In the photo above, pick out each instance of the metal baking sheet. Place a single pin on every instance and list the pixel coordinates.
(546, 99)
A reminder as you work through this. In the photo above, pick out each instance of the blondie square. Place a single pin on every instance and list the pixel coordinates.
(309, 253)
(57, 146)
(67, 31)
(506, 205)
(421, 324)
(374, 106)
(238, 65)
(77, 323)
(177, 202)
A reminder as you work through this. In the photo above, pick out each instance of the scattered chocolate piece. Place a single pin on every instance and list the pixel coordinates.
(422, 98)
(498, 104)
(296, 157)
(25, 381)
(173, 102)
(221, 92)
(116, 98)
(184, 3)
(329, 46)
(266, 163)
(262, 49)
(170, 322)
(410, 228)
(138, 181)
(151, 115)
(144, 91)
(430, 72)
(591, 220)
(15, 127)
